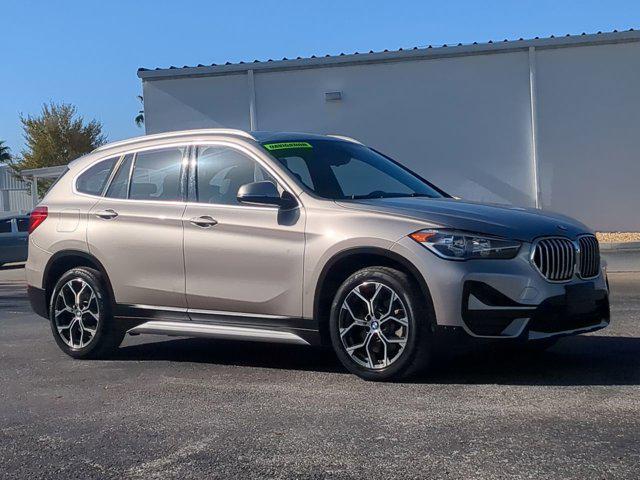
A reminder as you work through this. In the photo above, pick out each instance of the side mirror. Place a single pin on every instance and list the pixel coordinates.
(265, 193)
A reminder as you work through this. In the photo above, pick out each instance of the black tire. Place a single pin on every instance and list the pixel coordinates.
(107, 336)
(419, 338)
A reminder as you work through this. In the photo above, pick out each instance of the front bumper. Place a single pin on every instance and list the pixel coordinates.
(508, 298)
(488, 313)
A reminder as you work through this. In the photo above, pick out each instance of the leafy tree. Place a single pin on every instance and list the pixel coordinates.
(56, 136)
(5, 155)
(140, 117)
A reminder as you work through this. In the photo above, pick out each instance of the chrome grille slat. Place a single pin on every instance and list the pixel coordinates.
(589, 256)
(570, 253)
(555, 258)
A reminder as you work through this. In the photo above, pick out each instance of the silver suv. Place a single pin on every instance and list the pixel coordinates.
(301, 239)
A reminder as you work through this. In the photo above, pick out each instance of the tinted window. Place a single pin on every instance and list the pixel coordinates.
(119, 187)
(94, 179)
(343, 170)
(356, 178)
(23, 224)
(298, 167)
(222, 171)
(156, 175)
(5, 226)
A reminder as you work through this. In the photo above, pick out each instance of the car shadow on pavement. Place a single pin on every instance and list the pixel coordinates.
(237, 353)
(582, 360)
(579, 360)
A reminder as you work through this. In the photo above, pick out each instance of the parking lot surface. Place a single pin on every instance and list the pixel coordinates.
(184, 408)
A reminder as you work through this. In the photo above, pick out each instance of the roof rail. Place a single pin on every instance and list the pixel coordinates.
(176, 134)
(343, 137)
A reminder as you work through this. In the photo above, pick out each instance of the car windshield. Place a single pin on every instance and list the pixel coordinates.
(342, 170)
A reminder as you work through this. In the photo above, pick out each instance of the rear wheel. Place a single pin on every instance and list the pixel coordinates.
(380, 327)
(80, 314)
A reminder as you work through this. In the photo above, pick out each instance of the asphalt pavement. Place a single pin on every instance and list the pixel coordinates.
(184, 408)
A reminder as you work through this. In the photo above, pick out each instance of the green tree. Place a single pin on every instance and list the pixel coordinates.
(55, 137)
(140, 116)
(5, 155)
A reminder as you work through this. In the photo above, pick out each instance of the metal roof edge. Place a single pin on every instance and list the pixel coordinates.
(416, 53)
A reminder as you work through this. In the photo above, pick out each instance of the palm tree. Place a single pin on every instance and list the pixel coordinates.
(5, 156)
(140, 117)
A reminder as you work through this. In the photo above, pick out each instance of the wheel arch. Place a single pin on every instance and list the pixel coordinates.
(64, 261)
(339, 267)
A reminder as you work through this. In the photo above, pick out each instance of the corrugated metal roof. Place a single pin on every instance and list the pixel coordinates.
(429, 51)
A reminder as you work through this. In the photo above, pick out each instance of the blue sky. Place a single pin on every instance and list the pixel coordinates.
(87, 52)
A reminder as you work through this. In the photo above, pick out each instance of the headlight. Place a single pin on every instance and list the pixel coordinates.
(454, 245)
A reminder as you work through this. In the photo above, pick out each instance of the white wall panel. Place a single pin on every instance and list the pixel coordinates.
(589, 133)
(209, 102)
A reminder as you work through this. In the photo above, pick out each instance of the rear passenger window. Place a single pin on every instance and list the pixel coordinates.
(119, 187)
(93, 180)
(5, 226)
(23, 224)
(156, 175)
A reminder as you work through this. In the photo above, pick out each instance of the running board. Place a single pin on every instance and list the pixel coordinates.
(229, 332)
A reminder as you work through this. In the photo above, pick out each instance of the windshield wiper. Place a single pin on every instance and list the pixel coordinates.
(379, 194)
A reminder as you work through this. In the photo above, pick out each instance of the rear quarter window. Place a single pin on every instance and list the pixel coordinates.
(93, 180)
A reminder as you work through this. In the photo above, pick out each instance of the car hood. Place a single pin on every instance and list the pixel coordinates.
(524, 224)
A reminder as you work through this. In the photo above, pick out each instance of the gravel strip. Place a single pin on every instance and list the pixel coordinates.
(618, 237)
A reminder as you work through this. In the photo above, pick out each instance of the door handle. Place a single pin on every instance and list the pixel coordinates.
(204, 221)
(107, 214)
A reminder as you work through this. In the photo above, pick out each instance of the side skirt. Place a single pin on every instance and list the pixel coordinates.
(221, 325)
(209, 330)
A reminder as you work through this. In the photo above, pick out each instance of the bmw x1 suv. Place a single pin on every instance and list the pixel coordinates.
(299, 239)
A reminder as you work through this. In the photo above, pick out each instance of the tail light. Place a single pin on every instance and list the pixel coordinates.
(38, 215)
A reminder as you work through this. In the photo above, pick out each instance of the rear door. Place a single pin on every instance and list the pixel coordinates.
(22, 234)
(241, 261)
(136, 231)
(9, 242)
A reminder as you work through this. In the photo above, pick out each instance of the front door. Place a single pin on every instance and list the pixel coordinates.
(240, 260)
(135, 230)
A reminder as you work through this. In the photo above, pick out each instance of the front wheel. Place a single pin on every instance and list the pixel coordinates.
(380, 325)
(80, 315)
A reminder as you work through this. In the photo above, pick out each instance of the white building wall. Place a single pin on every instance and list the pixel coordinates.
(589, 133)
(463, 122)
(174, 104)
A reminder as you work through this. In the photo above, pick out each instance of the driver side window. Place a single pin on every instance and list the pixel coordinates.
(220, 173)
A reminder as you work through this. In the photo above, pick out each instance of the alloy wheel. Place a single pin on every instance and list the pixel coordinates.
(76, 313)
(373, 325)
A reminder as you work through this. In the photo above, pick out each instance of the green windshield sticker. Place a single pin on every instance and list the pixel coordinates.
(285, 145)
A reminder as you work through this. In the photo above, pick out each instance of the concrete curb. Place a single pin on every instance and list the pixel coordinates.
(621, 246)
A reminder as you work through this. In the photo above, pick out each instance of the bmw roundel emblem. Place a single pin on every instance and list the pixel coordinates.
(562, 227)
